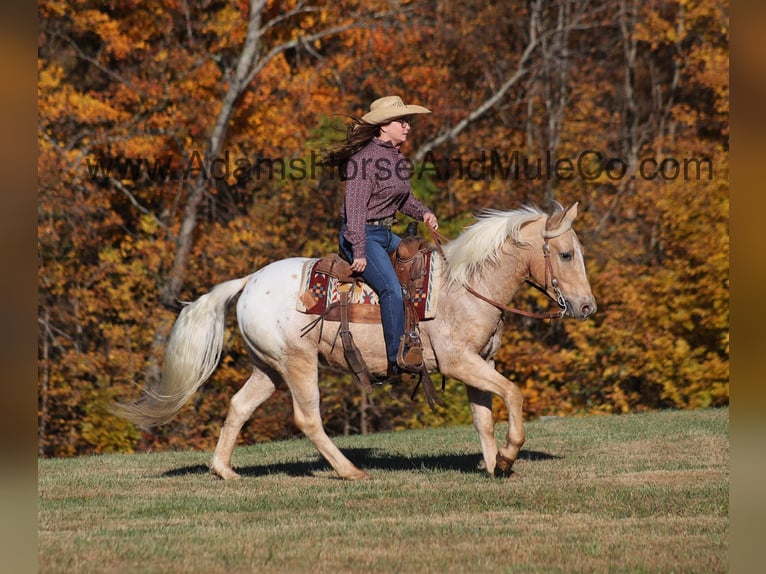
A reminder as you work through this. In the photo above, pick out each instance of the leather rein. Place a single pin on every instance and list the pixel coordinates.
(558, 299)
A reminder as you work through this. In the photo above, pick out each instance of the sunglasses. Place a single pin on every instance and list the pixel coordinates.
(403, 121)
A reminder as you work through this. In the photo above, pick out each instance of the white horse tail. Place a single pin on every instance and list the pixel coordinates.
(192, 354)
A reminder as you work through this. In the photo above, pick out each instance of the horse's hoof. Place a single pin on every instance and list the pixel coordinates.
(503, 466)
(225, 473)
(357, 475)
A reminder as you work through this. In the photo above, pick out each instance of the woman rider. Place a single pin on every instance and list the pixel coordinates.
(377, 187)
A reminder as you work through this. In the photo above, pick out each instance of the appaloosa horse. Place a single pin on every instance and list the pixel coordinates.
(485, 267)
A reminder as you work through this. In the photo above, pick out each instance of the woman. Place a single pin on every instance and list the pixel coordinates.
(377, 186)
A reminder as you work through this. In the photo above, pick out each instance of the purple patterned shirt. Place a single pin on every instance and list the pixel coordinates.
(377, 186)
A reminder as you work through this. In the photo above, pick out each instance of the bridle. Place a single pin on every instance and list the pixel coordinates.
(559, 298)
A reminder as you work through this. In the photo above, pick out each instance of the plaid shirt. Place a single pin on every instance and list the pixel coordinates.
(377, 186)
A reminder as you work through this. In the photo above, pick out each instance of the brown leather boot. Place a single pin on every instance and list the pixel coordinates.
(394, 376)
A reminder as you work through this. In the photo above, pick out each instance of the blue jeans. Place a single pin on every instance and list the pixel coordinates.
(380, 275)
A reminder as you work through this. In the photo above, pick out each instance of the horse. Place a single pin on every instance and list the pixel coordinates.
(485, 266)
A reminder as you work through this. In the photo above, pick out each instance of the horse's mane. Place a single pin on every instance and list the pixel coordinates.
(480, 243)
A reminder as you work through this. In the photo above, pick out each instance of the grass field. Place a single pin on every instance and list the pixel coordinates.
(633, 493)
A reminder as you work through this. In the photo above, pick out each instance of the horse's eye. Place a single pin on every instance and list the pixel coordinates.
(566, 255)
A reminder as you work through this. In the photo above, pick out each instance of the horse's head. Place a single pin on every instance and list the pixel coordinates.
(560, 268)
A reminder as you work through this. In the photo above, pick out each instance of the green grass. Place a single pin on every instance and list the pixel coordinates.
(633, 493)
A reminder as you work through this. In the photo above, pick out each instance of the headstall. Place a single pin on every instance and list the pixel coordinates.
(559, 298)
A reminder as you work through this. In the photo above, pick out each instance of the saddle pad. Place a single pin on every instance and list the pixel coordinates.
(318, 291)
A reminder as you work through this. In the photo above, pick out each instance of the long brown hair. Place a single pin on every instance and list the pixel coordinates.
(358, 134)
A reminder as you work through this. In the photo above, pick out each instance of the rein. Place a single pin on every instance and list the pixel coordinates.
(559, 299)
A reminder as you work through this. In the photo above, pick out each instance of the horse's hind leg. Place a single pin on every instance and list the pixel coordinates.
(255, 391)
(302, 380)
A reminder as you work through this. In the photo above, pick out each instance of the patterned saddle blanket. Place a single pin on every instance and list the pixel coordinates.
(320, 291)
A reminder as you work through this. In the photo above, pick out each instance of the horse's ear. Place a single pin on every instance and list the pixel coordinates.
(571, 213)
(561, 222)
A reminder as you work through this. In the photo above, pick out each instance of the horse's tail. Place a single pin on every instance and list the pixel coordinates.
(192, 354)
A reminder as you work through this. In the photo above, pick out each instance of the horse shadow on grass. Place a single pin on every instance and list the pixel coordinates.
(368, 459)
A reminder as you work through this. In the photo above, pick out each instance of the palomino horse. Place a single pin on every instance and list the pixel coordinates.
(487, 263)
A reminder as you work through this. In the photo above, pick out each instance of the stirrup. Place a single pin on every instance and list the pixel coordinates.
(410, 357)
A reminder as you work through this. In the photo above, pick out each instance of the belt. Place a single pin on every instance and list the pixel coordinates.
(385, 222)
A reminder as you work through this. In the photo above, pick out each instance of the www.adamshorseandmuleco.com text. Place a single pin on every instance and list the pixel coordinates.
(589, 165)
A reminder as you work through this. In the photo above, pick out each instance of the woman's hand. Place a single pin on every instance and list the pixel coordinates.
(430, 220)
(359, 265)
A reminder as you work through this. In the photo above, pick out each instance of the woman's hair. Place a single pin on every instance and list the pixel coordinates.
(358, 134)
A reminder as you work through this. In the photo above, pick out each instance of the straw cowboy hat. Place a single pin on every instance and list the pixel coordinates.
(388, 108)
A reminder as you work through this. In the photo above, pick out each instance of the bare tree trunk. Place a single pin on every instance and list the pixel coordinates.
(537, 35)
(251, 62)
(237, 84)
(486, 105)
(632, 138)
(555, 73)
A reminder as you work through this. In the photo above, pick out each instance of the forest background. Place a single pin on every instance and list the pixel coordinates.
(177, 149)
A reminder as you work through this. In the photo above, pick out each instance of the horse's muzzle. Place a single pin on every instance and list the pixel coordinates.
(581, 307)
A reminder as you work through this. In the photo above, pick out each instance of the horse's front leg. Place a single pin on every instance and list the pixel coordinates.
(477, 373)
(481, 410)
